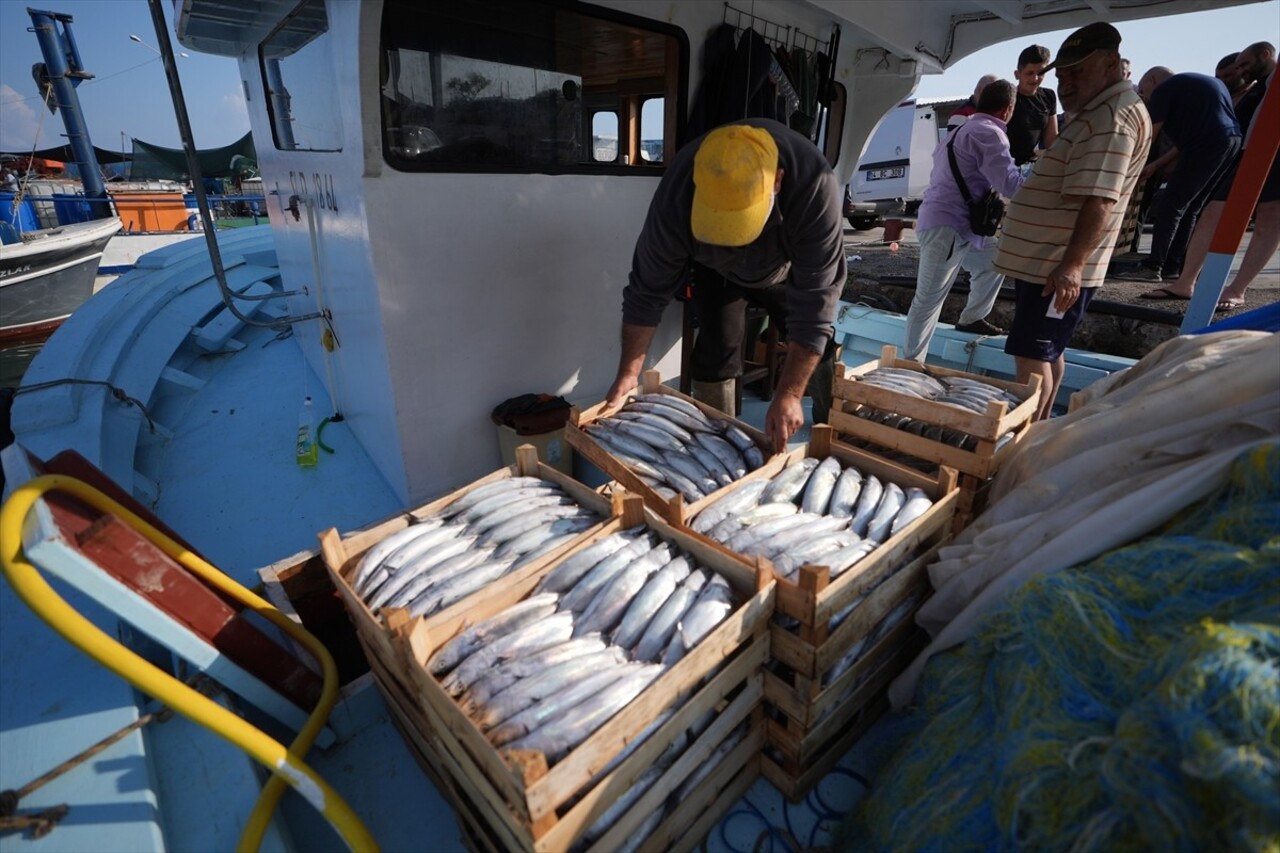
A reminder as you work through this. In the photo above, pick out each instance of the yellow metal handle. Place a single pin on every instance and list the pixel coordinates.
(286, 764)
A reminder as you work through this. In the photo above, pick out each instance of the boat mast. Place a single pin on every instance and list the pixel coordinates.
(64, 71)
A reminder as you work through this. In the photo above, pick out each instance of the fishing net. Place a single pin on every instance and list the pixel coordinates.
(1131, 703)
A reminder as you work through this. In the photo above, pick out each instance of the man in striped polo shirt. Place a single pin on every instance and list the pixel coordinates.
(1062, 224)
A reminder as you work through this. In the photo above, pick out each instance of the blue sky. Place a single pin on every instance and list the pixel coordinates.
(129, 95)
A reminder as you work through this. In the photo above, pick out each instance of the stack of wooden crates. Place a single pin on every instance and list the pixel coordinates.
(996, 432)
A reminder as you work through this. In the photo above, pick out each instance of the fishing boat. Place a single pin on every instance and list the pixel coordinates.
(444, 235)
(47, 274)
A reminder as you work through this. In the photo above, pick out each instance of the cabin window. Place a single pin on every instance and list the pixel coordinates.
(527, 86)
(297, 69)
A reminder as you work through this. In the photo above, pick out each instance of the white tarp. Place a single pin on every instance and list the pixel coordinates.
(1138, 446)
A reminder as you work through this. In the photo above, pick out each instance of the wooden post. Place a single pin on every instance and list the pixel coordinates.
(527, 460)
(820, 441)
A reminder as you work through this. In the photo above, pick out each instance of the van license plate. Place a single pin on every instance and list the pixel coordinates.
(882, 174)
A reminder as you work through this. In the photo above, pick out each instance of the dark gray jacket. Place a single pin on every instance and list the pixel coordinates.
(802, 242)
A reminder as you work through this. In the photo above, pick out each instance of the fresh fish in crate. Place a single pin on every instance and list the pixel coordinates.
(657, 635)
(512, 671)
(875, 635)
(706, 768)
(571, 570)
(373, 557)
(620, 806)
(645, 605)
(748, 536)
(730, 455)
(916, 504)
(480, 493)
(485, 631)
(525, 640)
(637, 839)
(681, 405)
(439, 596)
(403, 576)
(610, 603)
(814, 552)
(753, 516)
(656, 421)
(526, 521)
(868, 501)
(679, 418)
(579, 596)
(439, 573)
(816, 496)
(556, 737)
(781, 542)
(541, 686)
(844, 494)
(559, 705)
(715, 467)
(534, 539)
(890, 503)
(790, 481)
(505, 497)
(714, 604)
(731, 504)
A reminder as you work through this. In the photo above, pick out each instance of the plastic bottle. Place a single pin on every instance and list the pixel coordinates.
(306, 450)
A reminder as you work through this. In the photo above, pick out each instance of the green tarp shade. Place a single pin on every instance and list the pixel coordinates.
(63, 155)
(151, 162)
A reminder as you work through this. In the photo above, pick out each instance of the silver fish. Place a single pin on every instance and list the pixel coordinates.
(610, 603)
(845, 493)
(580, 594)
(712, 463)
(689, 467)
(438, 573)
(676, 403)
(788, 482)
(657, 635)
(728, 455)
(712, 607)
(761, 531)
(558, 704)
(733, 503)
(688, 488)
(479, 493)
(557, 736)
(400, 579)
(543, 685)
(915, 504)
(441, 595)
(868, 500)
(526, 640)
(557, 529)
(513, 527)
(655, 592)
(652, 436)
(890, 503)
(657, 422)
(686, 422)
(501, 499)
(739, 439)
(706, 768)
(485, 631)
(620, 806)
(800, 534)
(817, 491)
(554, 542)
(374, 556)
(504, 514)
(570, 570)
(608, 434)
(506, 674)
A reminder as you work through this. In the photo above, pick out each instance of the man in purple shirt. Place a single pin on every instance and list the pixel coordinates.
(946, 240)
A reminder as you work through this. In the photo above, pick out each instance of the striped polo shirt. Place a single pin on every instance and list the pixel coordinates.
(1100, 153)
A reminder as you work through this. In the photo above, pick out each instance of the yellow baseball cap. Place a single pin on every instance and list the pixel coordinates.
(733, 177)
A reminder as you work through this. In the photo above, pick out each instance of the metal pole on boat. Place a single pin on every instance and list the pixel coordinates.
(64, 70)
(197, 178)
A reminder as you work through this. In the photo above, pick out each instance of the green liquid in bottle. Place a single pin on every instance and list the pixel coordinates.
(306, 451)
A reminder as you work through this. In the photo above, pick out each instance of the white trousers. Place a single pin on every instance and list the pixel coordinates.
(942, 253)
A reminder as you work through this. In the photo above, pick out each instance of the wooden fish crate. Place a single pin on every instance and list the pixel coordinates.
(812, 726)
(510, 799)
(674, 510)
(989, 428)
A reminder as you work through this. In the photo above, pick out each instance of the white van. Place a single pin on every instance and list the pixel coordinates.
(894, 168)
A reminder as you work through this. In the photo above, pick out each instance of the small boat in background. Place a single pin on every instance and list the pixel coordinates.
(46, 274)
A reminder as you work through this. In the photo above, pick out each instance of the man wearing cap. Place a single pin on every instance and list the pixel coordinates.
(1062, 224)
(755, 210)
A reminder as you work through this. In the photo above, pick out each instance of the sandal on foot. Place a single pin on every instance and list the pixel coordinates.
(1231, 303)
(1162, 293)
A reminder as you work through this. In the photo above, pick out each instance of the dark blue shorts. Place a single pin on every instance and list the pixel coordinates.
(1035, 336)
(1270, 187)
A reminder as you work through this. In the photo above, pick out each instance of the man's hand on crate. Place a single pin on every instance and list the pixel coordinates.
(784, 418)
